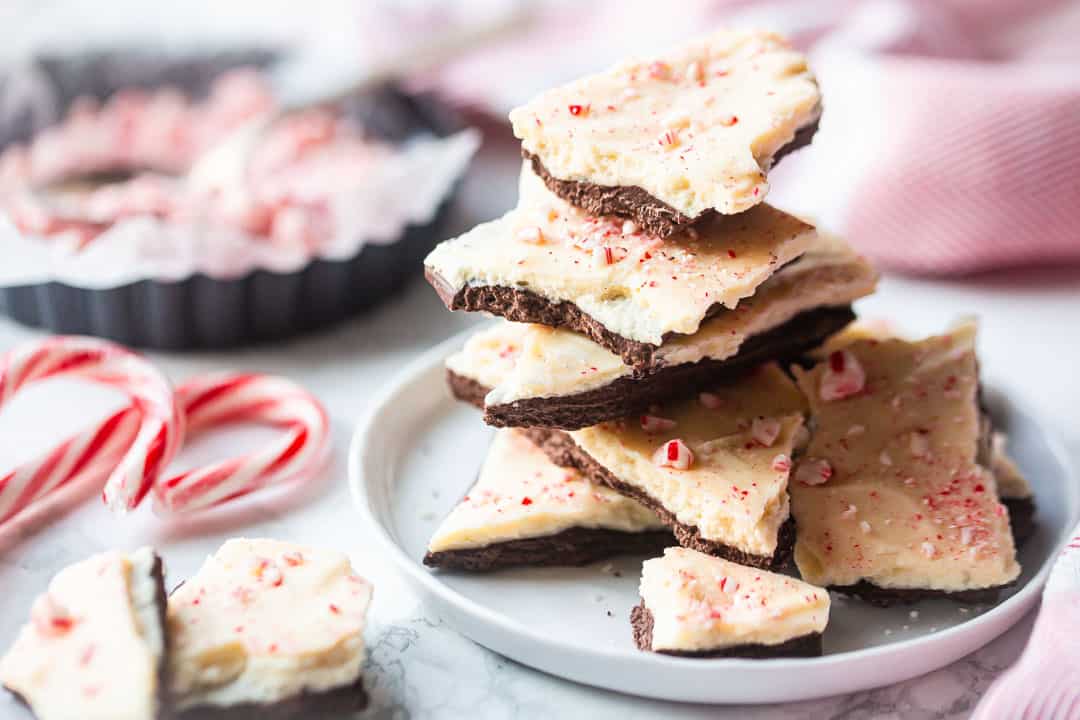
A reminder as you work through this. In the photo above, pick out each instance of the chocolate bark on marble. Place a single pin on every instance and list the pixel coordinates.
(268, 629)
(547, 262)
(890, 499)
(531, 375)
(696, 605)
(525, 510)
(96, 640)
(671, 140)
(714, 468)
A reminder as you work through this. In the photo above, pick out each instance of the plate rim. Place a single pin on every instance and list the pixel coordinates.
(432, 359)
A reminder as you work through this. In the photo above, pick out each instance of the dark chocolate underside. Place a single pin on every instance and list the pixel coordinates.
(522, 305)
(650, 213)
(641, 621)
(561, 449)
(887, 597)
(1021, 518)
(330, 703)
(571, 547)
(632, 395)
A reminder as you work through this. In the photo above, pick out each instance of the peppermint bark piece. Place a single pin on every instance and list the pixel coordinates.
(714, 468)
(95, 646)
(549, 263)
(890, 500)
(269, 629)
(696, 605)
(525, 510)
(530, 375)
(671, 140)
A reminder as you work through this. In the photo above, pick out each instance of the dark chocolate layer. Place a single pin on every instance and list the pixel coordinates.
(650, 213)
(887, 597)
(518, 305)
(641, 621)
(572, 547)
(1021, 518)
(631, 395)
(339, 702)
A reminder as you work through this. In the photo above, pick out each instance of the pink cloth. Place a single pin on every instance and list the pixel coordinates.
(951, 137)
(1042, 685)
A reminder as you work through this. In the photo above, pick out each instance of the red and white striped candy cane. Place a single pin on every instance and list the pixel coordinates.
(88, 457)
(156, 441)
(222, 399)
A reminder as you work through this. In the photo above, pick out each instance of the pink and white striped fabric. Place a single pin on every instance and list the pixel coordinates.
(950, 142)
(1042, 684)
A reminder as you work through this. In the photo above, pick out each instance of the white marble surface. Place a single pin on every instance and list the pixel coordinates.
(421, 669)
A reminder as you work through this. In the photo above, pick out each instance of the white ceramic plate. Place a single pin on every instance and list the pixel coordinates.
(419, 451)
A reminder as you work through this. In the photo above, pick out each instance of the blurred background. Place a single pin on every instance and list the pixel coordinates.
(949, 150)
(949, 143)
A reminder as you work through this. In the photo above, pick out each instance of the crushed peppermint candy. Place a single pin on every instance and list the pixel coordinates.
(813, 472)
(849, 512)
(928, 549)
(654, 424)
(781, 463)
(50, 617)
(669, 139)
(843, 377)
(765, 430)
(674, 454)
(865, 527)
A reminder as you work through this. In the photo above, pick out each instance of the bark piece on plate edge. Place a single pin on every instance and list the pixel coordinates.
(96, 640)
(531, 375)
(671, 140)
(696, 605)
(268, 629)
(549, 263)
(890, 500)
(525, 510)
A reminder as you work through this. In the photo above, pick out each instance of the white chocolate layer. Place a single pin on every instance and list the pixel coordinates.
(93, 648)
(263, 621)
(520, 361)
(907, 505)
(521, 494)
(696, 128)
(635, 285)
(735, 491)
(701, 603)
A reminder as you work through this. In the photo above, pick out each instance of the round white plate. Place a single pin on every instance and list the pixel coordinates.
(419, 451)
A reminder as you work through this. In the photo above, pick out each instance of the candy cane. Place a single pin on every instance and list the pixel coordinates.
(88, 457)
(222, 399)
(155, 443)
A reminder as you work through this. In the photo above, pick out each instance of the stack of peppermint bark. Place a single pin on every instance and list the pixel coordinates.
(660, 366)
